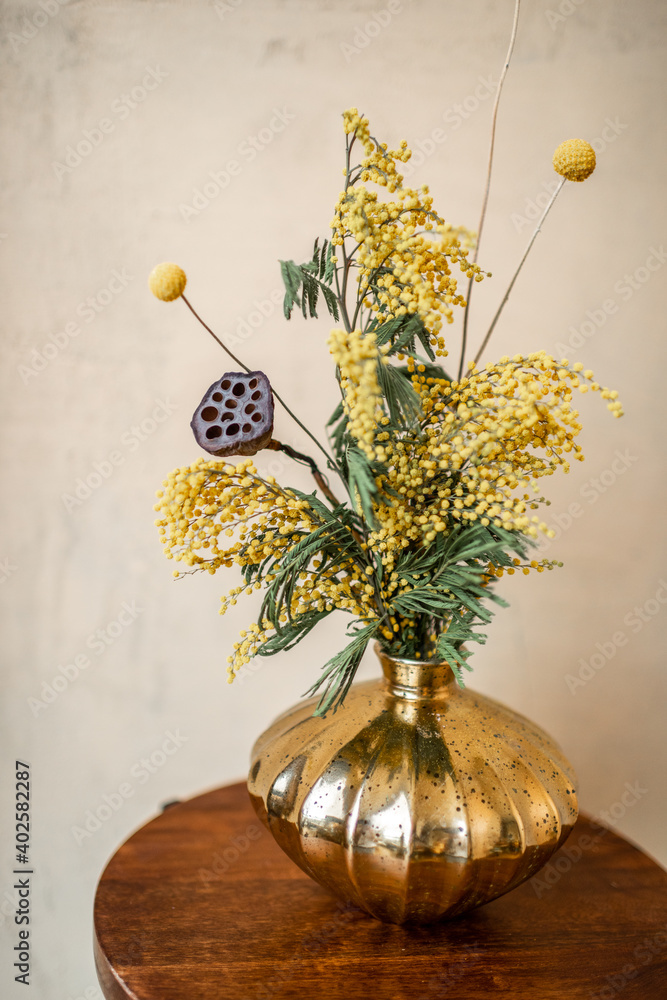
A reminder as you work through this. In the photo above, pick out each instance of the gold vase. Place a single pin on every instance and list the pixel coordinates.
(417, 800)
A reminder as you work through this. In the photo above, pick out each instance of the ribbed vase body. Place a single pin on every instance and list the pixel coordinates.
(417, 800)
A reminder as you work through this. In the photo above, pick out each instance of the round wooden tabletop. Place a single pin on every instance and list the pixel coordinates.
(201, 904)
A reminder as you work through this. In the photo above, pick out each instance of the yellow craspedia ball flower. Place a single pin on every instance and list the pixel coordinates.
(574, 160)
(167, 282)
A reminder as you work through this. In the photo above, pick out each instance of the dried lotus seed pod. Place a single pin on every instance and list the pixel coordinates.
(235, 417)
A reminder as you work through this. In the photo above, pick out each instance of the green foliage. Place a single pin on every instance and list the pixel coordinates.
(361, 482)
(331, 542)
(403, 333)
(292, 633)
(304, 282)
(450, 644)
(449, 586)
(338, 673)
(401, 401)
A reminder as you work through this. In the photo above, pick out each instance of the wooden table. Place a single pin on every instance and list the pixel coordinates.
(200, 904)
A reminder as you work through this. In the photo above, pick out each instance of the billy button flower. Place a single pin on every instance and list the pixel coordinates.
(167, 282)
(574, 160)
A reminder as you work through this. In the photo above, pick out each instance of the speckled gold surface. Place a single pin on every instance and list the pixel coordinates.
(417, 800)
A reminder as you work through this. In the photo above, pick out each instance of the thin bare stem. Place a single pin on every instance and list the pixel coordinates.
(298, 456)
(471, 282)
(516, 273)
(347, 263)
(282, 402)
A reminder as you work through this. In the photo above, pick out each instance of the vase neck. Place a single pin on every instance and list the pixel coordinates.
(415, 678)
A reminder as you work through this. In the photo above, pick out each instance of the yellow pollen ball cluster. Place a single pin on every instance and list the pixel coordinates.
(486, 441)
(574, 159)
(167, 282)
(214, 515)
(395, 253)
(357, 357)
(379, 164)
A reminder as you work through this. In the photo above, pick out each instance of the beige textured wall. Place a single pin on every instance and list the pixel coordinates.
(157, 98)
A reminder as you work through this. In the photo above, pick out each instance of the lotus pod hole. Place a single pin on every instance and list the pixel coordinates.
(215, 424)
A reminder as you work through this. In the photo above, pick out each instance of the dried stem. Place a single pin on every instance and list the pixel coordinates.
(471, 282)
(516, 273)
(298, 456)
(274, 445)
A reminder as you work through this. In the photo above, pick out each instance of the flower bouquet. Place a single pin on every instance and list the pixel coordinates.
(436, 469)
(409, 796)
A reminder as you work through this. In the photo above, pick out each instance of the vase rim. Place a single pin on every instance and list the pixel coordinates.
(416, 678)
(379, 651)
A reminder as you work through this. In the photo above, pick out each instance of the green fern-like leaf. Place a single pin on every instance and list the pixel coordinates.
(304, 282)
(404, 408)
(361, 483)
(338, 673)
